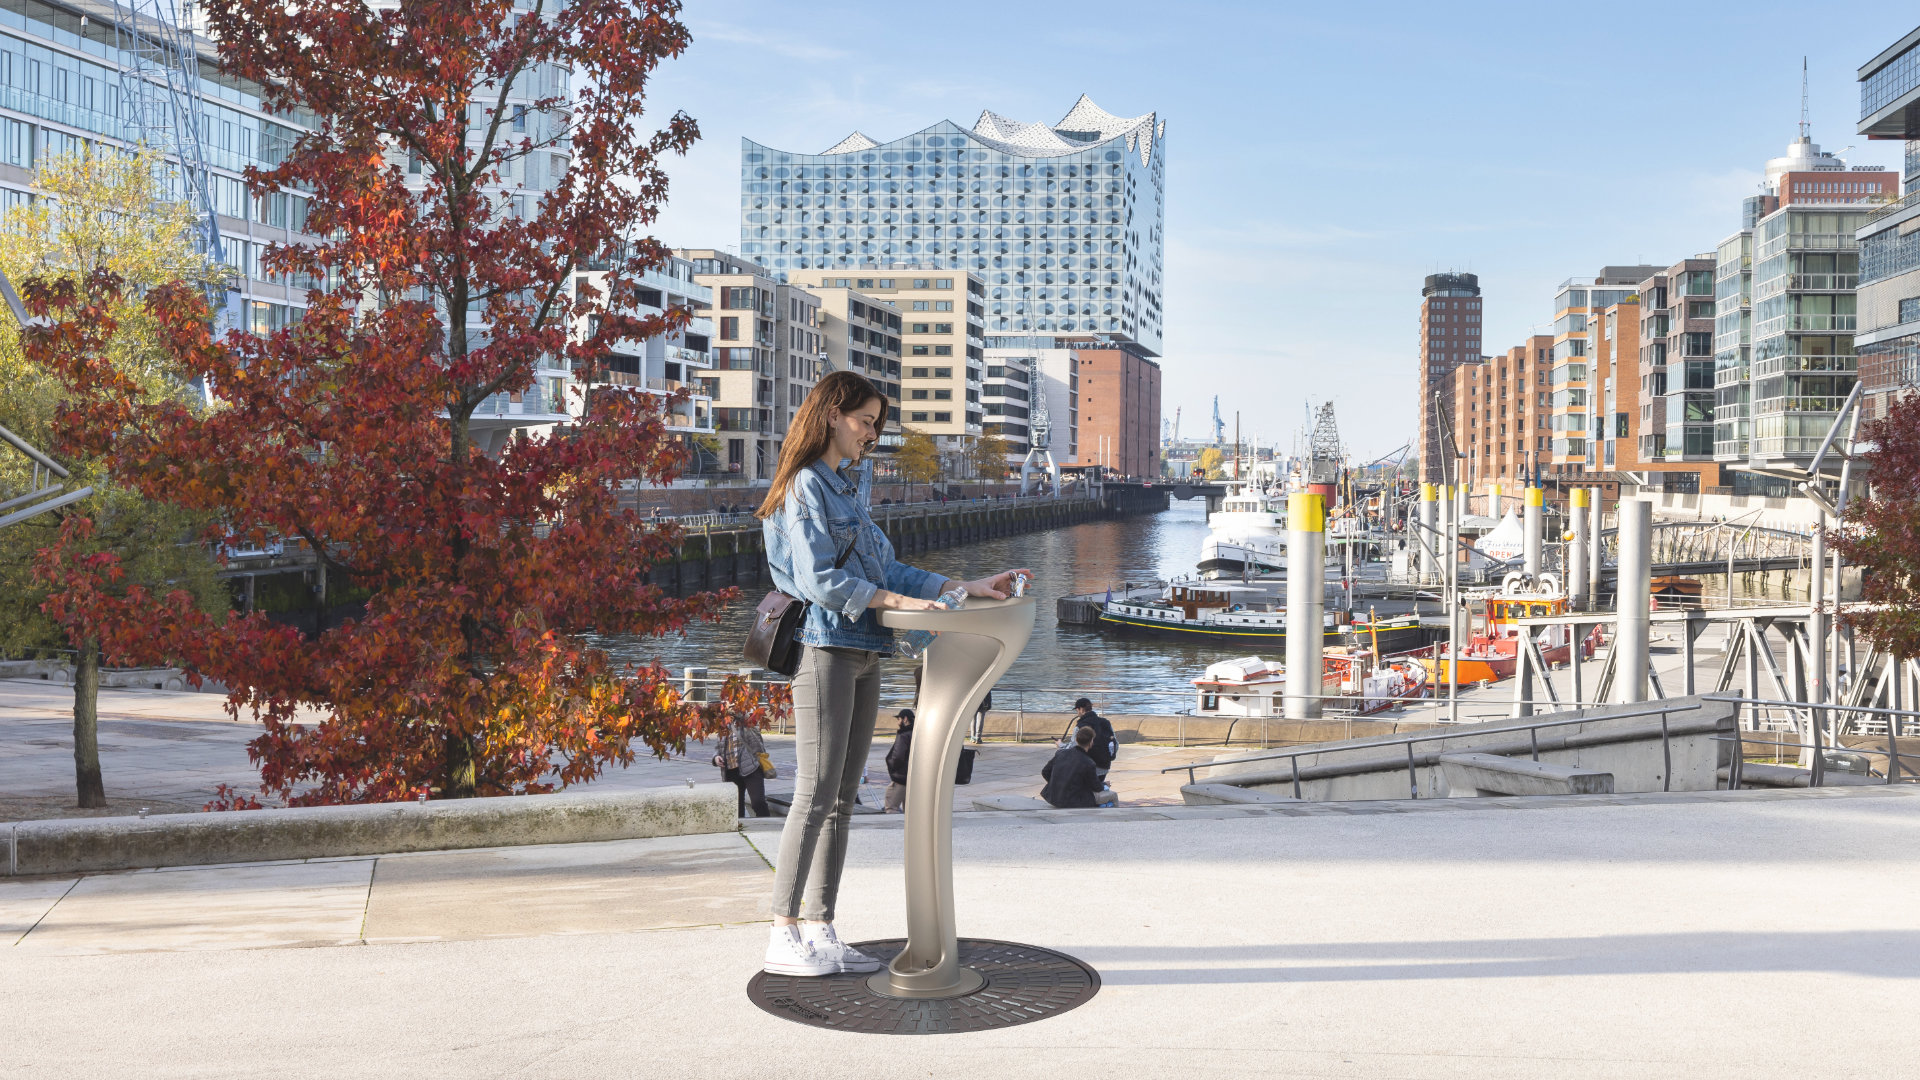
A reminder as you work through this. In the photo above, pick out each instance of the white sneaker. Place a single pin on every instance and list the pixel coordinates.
(789, 954)
(827, 945)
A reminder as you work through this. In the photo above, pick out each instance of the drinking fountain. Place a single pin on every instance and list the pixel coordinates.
(937, 981)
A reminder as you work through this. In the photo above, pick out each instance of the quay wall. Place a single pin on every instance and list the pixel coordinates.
(714, 558)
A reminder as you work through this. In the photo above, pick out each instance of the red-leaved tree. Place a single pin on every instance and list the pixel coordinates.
(353, 430)
(1882, 532)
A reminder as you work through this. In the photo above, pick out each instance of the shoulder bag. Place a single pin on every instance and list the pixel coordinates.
(774, 641)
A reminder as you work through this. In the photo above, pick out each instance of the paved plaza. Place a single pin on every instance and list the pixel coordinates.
(1706, 935)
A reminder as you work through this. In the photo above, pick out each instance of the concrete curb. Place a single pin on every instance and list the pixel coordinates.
(81, 845)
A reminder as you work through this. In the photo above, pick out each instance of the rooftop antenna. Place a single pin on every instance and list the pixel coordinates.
(1804, 125)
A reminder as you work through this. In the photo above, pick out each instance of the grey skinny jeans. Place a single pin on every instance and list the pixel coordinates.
(836, 699)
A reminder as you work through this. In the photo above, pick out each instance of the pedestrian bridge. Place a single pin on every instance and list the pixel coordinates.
(1717, 547)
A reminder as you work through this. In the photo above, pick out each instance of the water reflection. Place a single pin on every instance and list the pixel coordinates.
(1061, 661)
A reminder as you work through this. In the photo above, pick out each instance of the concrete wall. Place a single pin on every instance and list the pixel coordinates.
(80, 845)
(1630, 749)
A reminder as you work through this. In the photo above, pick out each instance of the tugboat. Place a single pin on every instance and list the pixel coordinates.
(1248, 535)
(1490, 656)
(1208, 613)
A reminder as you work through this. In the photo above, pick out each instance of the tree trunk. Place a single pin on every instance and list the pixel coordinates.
(461, 773)
(86, 727)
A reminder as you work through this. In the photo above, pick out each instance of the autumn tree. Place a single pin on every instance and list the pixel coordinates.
(1882, 532)
(988, 456)
(1209, 463)
(352, 432)
(104, 213)
(918, 457)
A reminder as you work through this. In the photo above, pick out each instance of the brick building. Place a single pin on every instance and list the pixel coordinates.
(1119, 403)
(1449, 337)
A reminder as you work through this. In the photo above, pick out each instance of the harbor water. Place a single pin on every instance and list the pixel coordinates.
(1121, 675)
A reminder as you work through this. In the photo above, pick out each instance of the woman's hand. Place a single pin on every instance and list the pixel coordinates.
(997, 587)
(893, 601)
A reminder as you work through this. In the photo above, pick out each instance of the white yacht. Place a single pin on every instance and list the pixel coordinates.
(1248, 535)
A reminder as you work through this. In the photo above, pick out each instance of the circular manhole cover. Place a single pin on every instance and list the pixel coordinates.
(1024, 983)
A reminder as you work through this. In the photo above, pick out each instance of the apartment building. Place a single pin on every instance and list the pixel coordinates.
(767, 354)
(1007, 399)
(1732, 347)
(1501, 410)
(1676, 391)
(943, 351)
(1449, 336)
(1614, 401)
(675, 368)
(1119, 407)
(1581, 399)
(862, 333)
(1887, 340)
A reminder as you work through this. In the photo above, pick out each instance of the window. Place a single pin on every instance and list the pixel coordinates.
(919, 395)
(730, 326)
(921, 350)
(886, 283)
(919, 418)
(919, 283)
(737, 298)
(1910, 309)
(917, 373)
(943, 328)
(943, 418)
(865, 283)
(922, 305)
(519, 118)
(943, 373)
(919, 328)
(943, 395)
(943, 283)
(943, 350)
(942, 305)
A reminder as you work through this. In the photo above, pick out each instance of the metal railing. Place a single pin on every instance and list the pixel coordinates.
(1818, 770)
(1292, 757)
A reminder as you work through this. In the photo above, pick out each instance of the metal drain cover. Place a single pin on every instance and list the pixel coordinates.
(1024, 983)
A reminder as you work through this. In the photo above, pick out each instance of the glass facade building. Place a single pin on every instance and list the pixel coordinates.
(1732, 345)
(1806, 265)
(1063, 223)
(1888, 342)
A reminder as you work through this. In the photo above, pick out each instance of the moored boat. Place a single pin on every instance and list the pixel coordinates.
(1215, 613)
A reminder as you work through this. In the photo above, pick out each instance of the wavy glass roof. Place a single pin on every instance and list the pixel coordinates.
(1085, 125)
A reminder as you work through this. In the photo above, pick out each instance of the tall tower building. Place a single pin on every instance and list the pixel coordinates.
(1449, 337)
(1063, 224)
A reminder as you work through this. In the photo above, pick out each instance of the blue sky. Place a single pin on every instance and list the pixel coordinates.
(1322, 159)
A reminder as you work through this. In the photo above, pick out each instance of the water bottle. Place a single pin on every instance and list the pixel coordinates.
(915, 642)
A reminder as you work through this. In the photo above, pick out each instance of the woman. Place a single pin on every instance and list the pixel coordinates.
(817, 509)
(739, 762)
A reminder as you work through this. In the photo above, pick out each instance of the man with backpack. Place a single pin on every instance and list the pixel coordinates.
(1106, 745)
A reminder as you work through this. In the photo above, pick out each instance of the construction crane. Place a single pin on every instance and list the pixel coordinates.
(1323, 448)
(46, 487)
(1040, 439)
(160, 93)
(160, 96)
(1219, 426)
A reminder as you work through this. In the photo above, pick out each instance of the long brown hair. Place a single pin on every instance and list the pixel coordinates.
(811, 432)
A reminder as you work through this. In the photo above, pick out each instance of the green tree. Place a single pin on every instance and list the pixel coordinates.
(104, 214)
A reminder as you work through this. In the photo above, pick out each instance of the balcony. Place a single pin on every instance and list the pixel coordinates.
(1776, 365)
(692, 357)
(1806, 242)
(1823, 282)
(1804, 324)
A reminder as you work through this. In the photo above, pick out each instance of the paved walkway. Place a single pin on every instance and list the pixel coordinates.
(167, 751)
(1711, 935)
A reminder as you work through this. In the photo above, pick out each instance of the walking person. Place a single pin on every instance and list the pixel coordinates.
(1106, 745)
(980, 717)
(1071, 783)
(816, 509)
(898, 755)
(739, 756)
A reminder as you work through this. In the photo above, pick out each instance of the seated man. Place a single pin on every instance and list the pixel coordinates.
(1072, 780)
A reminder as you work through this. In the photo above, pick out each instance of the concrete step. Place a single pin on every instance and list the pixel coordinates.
(1228, 794)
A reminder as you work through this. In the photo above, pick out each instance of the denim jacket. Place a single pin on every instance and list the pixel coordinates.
(825, 508)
